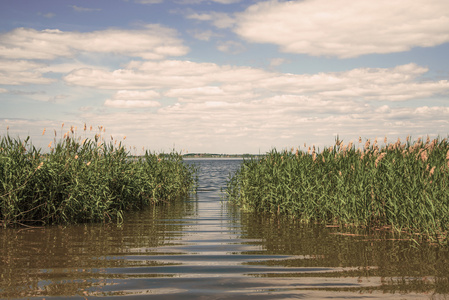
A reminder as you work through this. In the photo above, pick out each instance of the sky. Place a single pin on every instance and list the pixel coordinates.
(225, 76)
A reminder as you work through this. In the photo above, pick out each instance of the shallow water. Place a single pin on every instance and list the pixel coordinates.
(203, 248)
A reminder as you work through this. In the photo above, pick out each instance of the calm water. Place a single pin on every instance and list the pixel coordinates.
(204, 249)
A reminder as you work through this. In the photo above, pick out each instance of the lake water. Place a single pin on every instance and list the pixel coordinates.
(204, 248)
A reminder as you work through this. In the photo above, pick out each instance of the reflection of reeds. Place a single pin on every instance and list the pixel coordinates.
(404, 186)
(83, 181)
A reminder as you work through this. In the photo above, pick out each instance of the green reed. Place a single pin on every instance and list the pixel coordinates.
(81, 181)
(399, 187)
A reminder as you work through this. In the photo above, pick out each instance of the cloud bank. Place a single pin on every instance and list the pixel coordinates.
(206, 106)
(196, 82)
(152, 42)
(345, 28)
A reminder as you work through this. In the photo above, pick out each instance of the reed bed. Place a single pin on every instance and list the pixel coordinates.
(400, 187)
(84, 180)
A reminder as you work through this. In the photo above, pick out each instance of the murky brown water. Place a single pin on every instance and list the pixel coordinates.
(203, 249)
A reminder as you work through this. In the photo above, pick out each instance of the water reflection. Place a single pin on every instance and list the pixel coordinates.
(387, 265)
(60, 260)
(201, 247)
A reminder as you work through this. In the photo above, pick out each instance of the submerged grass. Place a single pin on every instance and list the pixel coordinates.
(82, 181)
(399, 187)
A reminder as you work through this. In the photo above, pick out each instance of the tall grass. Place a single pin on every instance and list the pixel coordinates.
(403, 187)
(79, 181)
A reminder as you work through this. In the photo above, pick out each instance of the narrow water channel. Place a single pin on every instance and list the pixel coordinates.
(203, 248)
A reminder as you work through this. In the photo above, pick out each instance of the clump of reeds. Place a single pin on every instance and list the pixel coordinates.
(402, 187)
(84, 180)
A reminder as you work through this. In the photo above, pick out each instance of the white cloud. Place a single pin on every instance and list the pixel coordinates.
(133, 99)
(131, 103)
(149, 1)
(163, 74)
(374, 84)
(17, 72)
(190, 80)
(231, 47)
(152, 42)
(136, 95)
(277, 61)
(220, 20)
(64, 67)
(204, 91)
(47, 15)
(84, 9)
(204, 35)
(200, 17)
(207, 94)
(346, 28)
(57, 98)
(38, 95)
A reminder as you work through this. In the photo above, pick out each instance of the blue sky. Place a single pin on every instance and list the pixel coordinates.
(225, 76)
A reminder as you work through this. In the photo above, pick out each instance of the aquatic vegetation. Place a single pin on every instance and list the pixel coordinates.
(401, 187)
(84, 180)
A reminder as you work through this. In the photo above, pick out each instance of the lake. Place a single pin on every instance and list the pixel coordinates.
(204, 248)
